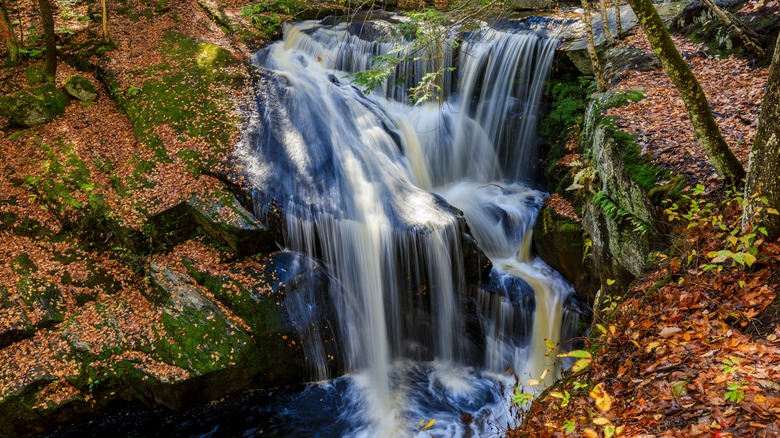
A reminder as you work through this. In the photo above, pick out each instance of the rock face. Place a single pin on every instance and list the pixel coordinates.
(576, 48)
(609, 247)
(560, 242)
(34, 106)
(80, 88)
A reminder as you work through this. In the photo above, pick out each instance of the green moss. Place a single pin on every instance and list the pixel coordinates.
(183, 99)
(34, 106)
(211, 56)
(203, 340)
(260, 312)
(568, 97)
(639, 167)
(23, 265)
(35, 75)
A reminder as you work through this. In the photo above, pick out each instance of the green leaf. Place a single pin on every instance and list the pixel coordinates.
(579, 354)
(569, 426)
(749, 259)
(580, 365)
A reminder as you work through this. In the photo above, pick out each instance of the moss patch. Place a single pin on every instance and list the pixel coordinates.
(34, 106)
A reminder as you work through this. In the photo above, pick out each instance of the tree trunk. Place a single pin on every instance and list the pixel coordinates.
(601, 84)
(605, 22)
(104, 19)
(618, 23)
(50, 42)
(7, 30)
(704, 125)
(737, 27)
(763, 178)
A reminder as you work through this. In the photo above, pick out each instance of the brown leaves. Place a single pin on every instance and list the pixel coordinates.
(661, 123)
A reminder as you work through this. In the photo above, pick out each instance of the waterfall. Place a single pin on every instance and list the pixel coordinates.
(367, 183)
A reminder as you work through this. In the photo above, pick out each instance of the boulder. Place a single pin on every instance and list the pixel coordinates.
(35, 75)
(623, 59)
(80, 88)
(34, 106)
(620, 219)
(283, 298)
(223, 218)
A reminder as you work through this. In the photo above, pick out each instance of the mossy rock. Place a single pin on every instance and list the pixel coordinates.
(16, 325)
(35, 75)
(285, 303)
(80, 88)
(45, 299)
(171, 226)
(224, 219)
(196, 334)
(560, 242)
(34, 106)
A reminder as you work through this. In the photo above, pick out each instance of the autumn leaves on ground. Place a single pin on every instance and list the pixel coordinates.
(94, 201)
(694, 347)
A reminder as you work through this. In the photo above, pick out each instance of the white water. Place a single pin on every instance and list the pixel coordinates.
(362, 181)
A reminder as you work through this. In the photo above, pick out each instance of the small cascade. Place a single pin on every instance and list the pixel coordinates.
(383, 193)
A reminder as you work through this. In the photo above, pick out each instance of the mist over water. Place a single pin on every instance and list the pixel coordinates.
(383, 193)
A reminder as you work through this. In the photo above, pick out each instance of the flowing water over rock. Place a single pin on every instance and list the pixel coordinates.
(385, 194)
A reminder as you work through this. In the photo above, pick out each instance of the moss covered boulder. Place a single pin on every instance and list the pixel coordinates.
(196, 334)
(223, 218)
(35, 75)
(34, 106)
(80, 88)
(284, 300)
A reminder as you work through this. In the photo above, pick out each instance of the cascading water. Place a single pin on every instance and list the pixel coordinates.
(366, 184)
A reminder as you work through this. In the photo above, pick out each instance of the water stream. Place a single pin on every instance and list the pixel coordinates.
(367, 184)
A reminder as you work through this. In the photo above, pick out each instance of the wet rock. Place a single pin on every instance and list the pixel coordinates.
(284, 300)
(80, 88)
(560, 242)
(34, 106)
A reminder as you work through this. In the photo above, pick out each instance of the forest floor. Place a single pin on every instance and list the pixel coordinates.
(694, 348)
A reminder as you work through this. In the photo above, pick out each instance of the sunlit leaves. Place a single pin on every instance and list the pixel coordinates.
(601, 398)
(583, 359)
(735, 392)
(521, 398)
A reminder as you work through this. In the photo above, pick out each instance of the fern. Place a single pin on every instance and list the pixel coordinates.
(617, 214)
